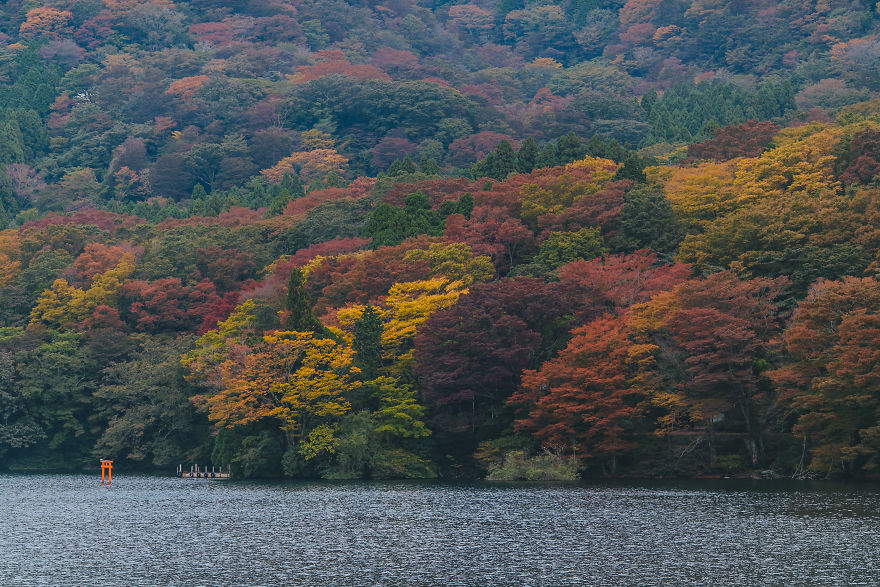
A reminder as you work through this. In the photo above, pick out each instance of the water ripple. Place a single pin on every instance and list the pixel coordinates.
(68, 530)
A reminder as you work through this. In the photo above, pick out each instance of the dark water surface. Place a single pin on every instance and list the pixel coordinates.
(68, 530)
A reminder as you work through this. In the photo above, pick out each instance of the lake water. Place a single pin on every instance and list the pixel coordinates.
(68, 530)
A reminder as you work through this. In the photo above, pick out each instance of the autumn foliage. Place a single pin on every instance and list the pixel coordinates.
(309, 165)
(413, 239)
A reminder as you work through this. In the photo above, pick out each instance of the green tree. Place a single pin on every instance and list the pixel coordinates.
(570, 148)
(564, 247)
(429, 166)
(389, 225)
(527, 156)
(35, 138)
(145, 400)
(366, 344)
(8, 202)
(198, 193)
(649, 99)
(465, 205)
(647, 221)
(506, 160)
(402, 166)
(547, 157)
(56, 380)
(633, 169)
(18, 429)
(11, 142)
(299, 309)
(290, 188)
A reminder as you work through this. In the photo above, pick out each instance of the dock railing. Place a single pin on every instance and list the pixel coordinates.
(195, 472)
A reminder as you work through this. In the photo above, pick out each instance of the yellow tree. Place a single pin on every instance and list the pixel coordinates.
(316, 139)
(407, 306)
(223, 346)
(699, 194)
(296, 378)
(103, 289)
(801, 163)
(63, 304)
(791, 215)
(187, 87)
(552, 197)
(648, 324)
(52, 304)
(455, 262)
(10, 266)
(123, 6)
(547, 62)
(44, 20)
(310, 165)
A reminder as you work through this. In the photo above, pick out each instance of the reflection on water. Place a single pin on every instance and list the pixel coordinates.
(68, 530)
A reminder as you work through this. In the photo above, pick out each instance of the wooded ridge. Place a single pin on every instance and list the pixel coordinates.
(513, 240)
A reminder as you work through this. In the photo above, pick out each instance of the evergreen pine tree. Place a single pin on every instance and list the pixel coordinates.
(527, 156)
(647, 221)
(402, 166)
(465, 205)
(366, 344)
(488, 167)
(300, 317)
(11, 142)
(649, 99)
(421, 219)
(7, 199)
(291, 184)
(596, 147)
(387, 225)
(547, 157)
(333, 180)
(632, 169)
(278, 204)
(429, 166)
(446, 208)
(198, 193)
(661, 123)
(615, 151)
(35, 137)
(570, 148)
(505, 161)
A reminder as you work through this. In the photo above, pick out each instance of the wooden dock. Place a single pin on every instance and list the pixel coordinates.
(196, 473)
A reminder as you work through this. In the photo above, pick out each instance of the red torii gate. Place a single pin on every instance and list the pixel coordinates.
(106, 466)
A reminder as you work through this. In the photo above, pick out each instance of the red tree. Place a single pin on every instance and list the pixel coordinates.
(469, 357)
(626, 279)
(437, 190)
(225, 268)
(366, 277)
(96, 258)
(390, 149)
(307, 73)
(166, 305)
(832, 377)
(743, 140)
(492, 231)
(467, 150)
(583, 398)
(600, 209)
(331, 248)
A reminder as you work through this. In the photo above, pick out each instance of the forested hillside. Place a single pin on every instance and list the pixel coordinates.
(505, 238)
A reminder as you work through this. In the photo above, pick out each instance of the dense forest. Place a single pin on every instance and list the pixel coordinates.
(504, 239)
